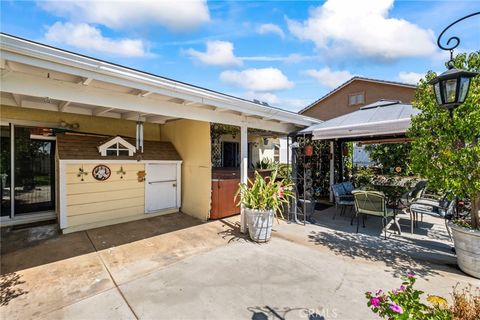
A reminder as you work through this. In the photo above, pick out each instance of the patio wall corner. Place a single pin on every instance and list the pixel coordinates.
(192, 140)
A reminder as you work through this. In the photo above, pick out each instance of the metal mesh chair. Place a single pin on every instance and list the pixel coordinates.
(341, 198)
(373, 203)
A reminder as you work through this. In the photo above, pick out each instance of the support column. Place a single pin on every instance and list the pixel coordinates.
(332, 169)
(243, 171)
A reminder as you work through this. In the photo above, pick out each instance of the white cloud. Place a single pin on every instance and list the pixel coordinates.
(89, 38)
(273, 100)
(329, 78)
(258, 80)
(175, 15)
(364, 28)
(410, 77)
(219, 53)
(270, 28)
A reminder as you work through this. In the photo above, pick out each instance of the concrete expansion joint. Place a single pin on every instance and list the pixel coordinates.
(111, 277)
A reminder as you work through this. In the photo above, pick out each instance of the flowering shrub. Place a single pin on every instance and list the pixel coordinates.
(265, 194)
(404, 303)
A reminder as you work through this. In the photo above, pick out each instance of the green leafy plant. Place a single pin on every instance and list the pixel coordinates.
(265, 194)
(405, 303)
(265, 164)
(447, 151)
(393, 157)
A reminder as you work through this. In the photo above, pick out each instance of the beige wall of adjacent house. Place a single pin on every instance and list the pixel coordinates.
(192, 141)
(337, 104)
(87, 124)
(92, 203)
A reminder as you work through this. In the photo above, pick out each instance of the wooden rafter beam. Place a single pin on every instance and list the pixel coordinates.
(62, 105)
(18, 99)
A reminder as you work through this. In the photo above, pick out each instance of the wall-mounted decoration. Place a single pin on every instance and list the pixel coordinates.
(81, 172)
(141, 175)
(101, 172)
(121, 172)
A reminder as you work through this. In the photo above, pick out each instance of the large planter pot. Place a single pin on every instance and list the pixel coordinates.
(467, 248)
(259, 224)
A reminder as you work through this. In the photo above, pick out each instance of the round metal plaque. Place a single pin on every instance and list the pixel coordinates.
(101, 172)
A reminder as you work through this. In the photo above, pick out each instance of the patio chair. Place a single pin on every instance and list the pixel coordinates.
(373, 203)
(341, 198)
(443, 208)
(416, 192)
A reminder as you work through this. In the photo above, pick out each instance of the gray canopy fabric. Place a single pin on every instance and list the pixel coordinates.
(381, 118)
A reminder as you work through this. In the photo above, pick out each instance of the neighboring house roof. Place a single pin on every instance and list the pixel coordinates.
(400, 84)
(192, 102)
(384, 117)
(85, 147)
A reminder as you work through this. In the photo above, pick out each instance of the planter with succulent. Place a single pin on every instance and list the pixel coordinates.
(262, 200)
(446, 151)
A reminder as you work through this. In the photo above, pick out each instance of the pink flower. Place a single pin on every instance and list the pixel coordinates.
(395, 308)
(375, 302)
(281, 192)
(378, 292)
(402, 288)
(410, 275)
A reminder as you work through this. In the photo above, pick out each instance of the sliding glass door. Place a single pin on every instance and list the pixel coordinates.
(5, 171)
(33, 161)
(34, 164)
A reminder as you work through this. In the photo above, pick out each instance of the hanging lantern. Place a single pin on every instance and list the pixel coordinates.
(345, 150)
(308, 150)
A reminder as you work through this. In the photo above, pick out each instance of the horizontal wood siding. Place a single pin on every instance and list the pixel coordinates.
(91, 201)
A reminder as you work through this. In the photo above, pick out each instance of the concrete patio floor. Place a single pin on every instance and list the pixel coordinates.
(174, 267)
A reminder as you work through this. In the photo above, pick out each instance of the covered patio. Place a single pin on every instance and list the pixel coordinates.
(49, 90)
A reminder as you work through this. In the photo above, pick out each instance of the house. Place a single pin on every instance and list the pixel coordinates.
(91, 143)
(356, 93)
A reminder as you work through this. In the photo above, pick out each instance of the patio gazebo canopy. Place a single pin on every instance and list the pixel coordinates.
(379, 119)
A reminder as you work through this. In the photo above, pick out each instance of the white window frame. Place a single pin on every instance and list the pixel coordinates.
(114, 144)
(356, 95)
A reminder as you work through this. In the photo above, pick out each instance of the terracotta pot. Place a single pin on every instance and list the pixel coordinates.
(308, 150)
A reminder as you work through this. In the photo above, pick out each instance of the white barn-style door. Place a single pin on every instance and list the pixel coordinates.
(161, 186)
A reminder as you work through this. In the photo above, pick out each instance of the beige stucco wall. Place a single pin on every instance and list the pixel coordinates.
(88, 124)
(192, 141)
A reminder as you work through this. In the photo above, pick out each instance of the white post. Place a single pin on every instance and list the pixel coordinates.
(243, 171)
(332, 169)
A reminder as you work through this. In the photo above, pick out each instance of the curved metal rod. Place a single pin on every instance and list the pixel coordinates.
(454, 38)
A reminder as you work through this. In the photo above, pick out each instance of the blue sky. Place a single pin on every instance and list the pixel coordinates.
(287, 53)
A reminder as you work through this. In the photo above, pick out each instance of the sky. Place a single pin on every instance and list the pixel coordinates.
(286, 53)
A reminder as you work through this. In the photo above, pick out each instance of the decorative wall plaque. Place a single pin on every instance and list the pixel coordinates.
(141, 175)
(101, 172)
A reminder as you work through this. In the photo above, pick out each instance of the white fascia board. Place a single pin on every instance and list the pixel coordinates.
(27, 84)
(49, 58)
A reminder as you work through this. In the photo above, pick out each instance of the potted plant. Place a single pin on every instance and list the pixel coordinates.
(446, 151)
(262, 199)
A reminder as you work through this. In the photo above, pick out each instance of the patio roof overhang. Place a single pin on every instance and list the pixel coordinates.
(38, 76)
(380, 119)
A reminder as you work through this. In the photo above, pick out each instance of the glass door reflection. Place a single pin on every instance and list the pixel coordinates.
(34, 165)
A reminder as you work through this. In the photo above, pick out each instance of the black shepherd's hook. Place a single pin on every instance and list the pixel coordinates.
(455, 39)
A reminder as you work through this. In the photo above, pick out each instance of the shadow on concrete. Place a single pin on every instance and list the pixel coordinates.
(232, 232)
(267, 312)
(30, 247)
(9, 289)
(424, 253)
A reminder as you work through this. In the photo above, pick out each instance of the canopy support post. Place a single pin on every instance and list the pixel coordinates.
(243, 171)
(332, 169)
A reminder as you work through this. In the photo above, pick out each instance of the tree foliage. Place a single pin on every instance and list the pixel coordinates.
(447, 151)
(391, 156)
